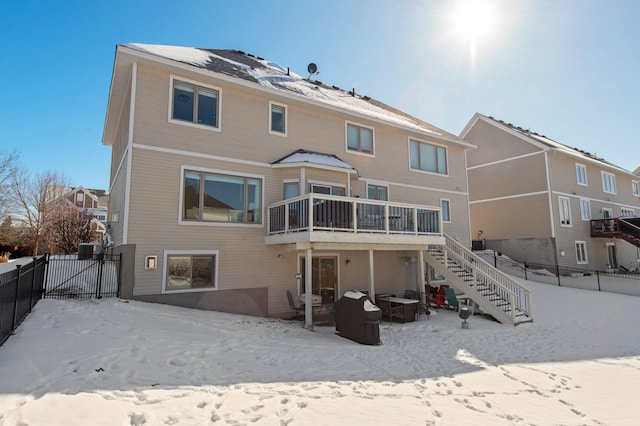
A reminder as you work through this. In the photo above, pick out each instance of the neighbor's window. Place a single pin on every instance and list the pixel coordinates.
(608, 182)
(581, 252)
(627, 212)
(187, 272)
(445, 205)
(278, 119)
(581, 174)
(377, 192)
(210, 197)
(427, 157)
(585, 210)
(635, 188)
(359, 139)
(195, 104)
(565, 211)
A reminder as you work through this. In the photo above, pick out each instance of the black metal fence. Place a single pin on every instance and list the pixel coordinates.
(82, 277)
(20, 290)
(588, 279)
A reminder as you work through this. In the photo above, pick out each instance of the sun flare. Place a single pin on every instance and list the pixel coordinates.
(473, 20)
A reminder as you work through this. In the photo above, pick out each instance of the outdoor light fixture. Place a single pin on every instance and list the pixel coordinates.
(281, 256)
(464, 314)
(348, 261)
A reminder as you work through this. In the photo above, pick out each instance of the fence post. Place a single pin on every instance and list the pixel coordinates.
(525, 271)
(33, 280)
(45, 280)
(598, 276)
(558, 274)
(15, 301)
(100, 267)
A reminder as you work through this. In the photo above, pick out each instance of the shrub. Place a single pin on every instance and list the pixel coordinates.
(4, 257)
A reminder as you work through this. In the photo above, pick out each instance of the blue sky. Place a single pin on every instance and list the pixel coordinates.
(568, 69)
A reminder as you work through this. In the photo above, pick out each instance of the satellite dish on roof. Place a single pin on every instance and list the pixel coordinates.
(313, 69)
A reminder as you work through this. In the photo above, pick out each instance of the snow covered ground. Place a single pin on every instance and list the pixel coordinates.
(111, 362)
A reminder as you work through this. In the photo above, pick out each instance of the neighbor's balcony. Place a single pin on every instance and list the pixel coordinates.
(326, 218)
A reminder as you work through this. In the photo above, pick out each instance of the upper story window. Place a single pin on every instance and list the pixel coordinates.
(635, 188)
(565, 211)
(581, 174)
(212, 197)
(359, 138)
(377, 192)
(195, 104)
(608, 182)
(277, 119)
(427, 157)
(446, 213)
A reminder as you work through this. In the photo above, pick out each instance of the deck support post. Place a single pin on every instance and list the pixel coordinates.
(308, 290)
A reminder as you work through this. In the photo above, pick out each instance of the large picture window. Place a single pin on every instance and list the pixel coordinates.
(427, 157)
(211, 197)
(359, 139)
(190, 271)
(195, 104)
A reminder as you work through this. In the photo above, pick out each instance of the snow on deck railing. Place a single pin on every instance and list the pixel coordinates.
(318, 212)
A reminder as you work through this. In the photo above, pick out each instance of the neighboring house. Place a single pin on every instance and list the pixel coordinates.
(93, 201)
(238, 180)
(540, 201)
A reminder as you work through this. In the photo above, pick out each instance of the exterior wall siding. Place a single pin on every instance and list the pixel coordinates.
(246, 266)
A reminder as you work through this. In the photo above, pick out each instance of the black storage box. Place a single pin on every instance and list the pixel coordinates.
(357, 318)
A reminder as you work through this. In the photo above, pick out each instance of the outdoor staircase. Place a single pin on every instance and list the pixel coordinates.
(627, 228)
(494, 292)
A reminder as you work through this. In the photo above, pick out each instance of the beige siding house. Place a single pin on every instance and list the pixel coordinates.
(237, 180)
(540, 201)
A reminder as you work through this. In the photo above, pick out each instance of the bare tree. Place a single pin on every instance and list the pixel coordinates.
(33, 200)
(8, 166)
(67, 228)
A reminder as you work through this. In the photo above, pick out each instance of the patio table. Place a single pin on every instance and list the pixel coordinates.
(409, 306)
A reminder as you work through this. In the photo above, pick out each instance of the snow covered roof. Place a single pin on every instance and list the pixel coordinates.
(311, 157)
(268, 74)
(551, 143)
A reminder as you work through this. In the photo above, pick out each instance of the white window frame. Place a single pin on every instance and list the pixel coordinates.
(624, 212)
(581, 172)
(635, 188)
(608, 182)
(580, 253)
(359, 152)
(286, 182)
(446, 153)
(609, 212)
(168, 253)
(377, 186)
(565, 213)
(329, 185)
(285, 118)
(217, 128)
(585, 209)
(182, 221)
(448, 201)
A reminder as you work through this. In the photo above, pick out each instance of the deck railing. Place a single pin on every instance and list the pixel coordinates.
(318, 212)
